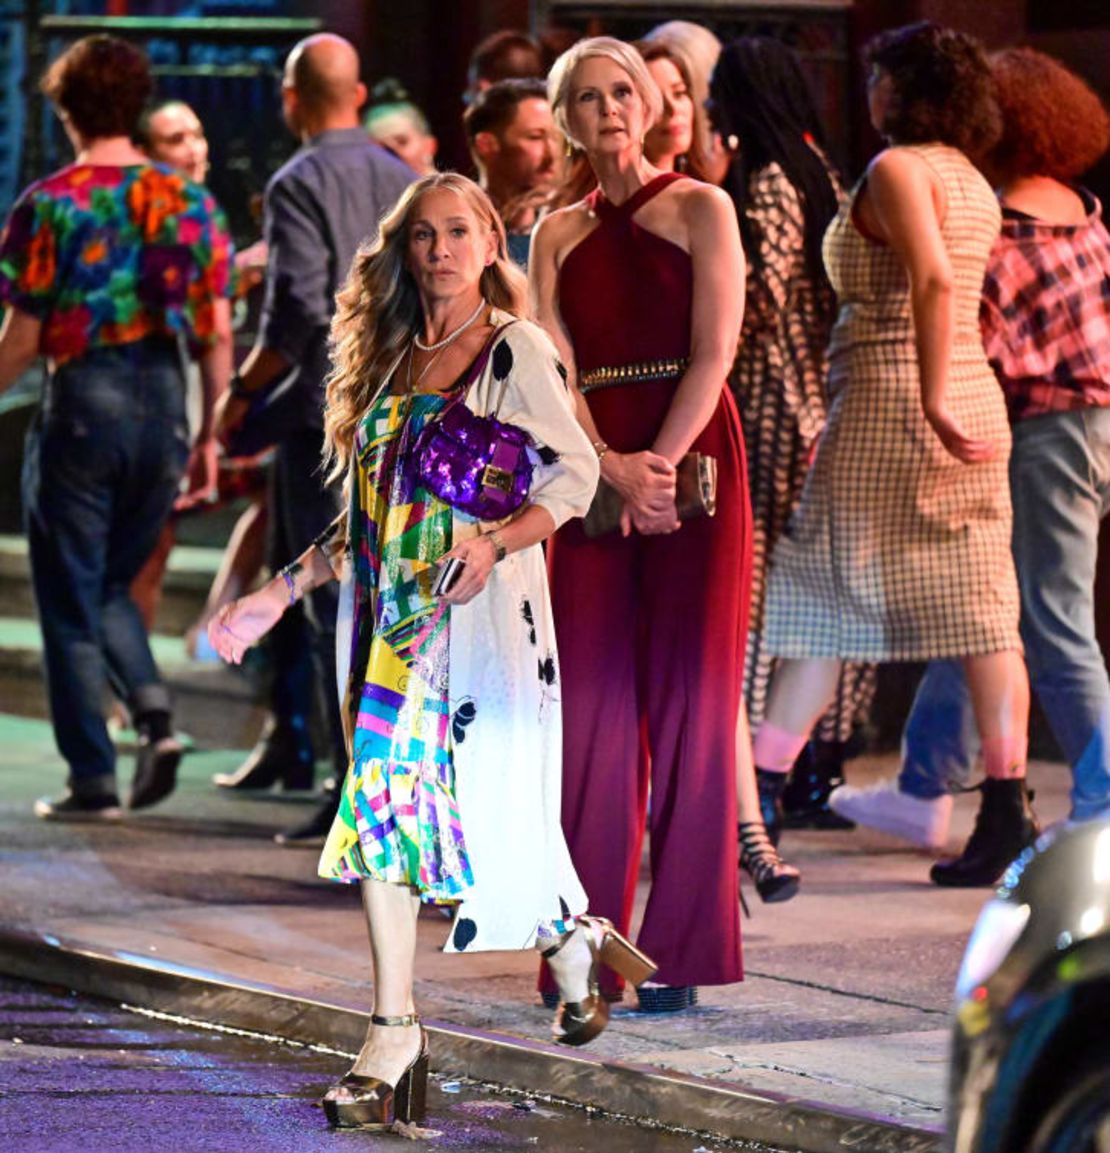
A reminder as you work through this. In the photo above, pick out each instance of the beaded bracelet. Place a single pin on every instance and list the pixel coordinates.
(290, 583)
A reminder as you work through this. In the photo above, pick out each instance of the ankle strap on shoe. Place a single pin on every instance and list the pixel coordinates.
(407, 1019)
(553, 949)
(753, 834)
(581, 920)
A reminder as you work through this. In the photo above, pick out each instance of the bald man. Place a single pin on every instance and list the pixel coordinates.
(318, 208)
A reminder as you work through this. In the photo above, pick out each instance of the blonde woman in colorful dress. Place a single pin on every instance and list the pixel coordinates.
(452, 701)
(900, 549)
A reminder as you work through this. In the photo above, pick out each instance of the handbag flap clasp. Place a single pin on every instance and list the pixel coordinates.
(498, 478)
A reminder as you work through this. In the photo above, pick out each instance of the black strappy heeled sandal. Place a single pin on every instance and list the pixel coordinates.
(376, 1104)
(577, 1022)
(775, 879)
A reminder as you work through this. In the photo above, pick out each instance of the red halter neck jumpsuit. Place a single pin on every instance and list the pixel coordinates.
(651, 629)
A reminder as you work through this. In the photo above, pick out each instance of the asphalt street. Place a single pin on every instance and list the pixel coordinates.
(79, 1074)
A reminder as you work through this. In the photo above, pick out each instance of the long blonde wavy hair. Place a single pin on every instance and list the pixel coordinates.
(378, 310)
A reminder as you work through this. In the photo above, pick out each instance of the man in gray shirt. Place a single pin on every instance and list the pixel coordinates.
(320, 206)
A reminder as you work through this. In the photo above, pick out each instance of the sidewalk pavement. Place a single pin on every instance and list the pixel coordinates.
(837, 1038)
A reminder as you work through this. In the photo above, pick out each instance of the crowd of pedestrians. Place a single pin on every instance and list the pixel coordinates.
(609, 551)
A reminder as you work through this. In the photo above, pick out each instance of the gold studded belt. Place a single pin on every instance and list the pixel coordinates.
(631, 373)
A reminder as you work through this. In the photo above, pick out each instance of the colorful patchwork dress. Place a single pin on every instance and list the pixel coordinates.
(399, 819)
(453, 712)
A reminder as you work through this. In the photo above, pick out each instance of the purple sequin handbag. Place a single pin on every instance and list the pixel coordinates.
(477, 464)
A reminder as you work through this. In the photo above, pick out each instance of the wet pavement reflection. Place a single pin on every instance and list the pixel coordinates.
(86, 1076)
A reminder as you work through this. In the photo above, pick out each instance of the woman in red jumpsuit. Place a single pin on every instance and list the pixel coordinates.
(641, 287)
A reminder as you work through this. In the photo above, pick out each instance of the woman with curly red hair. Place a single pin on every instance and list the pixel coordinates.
(900, 548)
(1045, 318)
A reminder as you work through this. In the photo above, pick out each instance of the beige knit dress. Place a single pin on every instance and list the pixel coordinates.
(898, 551)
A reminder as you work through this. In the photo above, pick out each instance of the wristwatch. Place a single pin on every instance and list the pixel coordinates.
(499, 550)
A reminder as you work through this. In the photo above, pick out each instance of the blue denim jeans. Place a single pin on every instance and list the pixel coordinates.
(940, 741)
(103, 461)
(1060, 482)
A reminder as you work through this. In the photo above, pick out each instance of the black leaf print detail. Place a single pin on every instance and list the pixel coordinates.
(561, 369)
(465, 932)
(464, 715)
(502, 360)
(529, 620)
(547, 670)
(564, 910)
(547, 455)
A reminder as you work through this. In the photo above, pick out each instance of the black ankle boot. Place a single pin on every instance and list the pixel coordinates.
(1004, 826)
(770, 787)
(283, 753)
(805, 801)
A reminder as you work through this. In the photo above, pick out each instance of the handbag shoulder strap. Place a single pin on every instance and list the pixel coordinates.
(478, 367)
(482, 359)
(475, 371)
(505, 383)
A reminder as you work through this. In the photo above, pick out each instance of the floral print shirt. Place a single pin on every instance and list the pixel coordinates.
(107, 255)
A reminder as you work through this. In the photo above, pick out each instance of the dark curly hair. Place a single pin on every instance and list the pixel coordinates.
(101, 84)
(1053, 123)
(943, 89)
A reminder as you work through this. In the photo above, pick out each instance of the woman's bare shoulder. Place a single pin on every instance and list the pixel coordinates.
(705, 208)
(699, 193)
(559, 231)
(896, 166)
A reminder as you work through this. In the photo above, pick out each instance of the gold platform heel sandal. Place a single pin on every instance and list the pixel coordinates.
(375, 1104)
(577, 1022)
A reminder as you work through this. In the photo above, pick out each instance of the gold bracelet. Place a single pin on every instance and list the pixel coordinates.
(601, 448)
(499, 550)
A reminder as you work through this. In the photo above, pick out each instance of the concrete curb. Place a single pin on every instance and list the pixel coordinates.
(637, 1091)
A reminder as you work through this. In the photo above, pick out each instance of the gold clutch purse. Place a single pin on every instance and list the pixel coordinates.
(695, 495)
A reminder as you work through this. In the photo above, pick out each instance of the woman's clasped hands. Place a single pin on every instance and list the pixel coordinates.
(646, 482)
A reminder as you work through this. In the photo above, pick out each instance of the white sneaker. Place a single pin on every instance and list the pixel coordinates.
(884, 807)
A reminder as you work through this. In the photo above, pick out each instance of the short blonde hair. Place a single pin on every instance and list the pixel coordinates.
(626, 57)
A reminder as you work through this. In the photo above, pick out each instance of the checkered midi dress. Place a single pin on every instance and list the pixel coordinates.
(898, 551)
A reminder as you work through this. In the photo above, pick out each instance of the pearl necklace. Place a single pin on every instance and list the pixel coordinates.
(451, 336)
